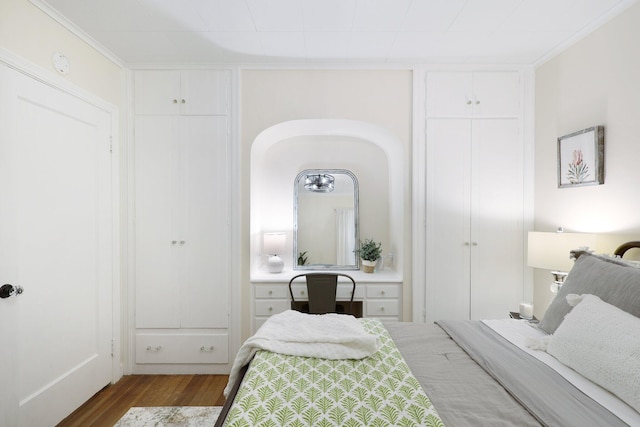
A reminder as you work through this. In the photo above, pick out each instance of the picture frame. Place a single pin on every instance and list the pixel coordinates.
(581, 158)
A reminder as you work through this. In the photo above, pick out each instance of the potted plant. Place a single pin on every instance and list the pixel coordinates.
(369, 252)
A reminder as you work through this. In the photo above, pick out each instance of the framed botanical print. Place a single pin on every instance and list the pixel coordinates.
(581, 158)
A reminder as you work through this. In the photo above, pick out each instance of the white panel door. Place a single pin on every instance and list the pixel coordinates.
(449, 94)
(205, 92)
(496, 94)
(182, 216)
(448, 222)
(474, 218)
(497, 258)
(205, 222)
(56, 178)
(157, 92)
(473, 94)
(158, 243)
(191, 92)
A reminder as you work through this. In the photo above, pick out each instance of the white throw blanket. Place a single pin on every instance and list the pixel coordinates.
(327, 336)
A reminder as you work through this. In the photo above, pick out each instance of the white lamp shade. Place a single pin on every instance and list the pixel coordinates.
(274, 243)
(550, 250)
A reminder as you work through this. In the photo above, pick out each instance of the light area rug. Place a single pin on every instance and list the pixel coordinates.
(170, 416)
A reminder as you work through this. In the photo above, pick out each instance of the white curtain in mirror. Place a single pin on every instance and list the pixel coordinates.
(345, 238)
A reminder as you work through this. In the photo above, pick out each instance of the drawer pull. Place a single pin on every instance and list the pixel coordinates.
(270, 292)
(270, 308)
(381, 308)
(382, 292)
(203, 348)
(154, 349)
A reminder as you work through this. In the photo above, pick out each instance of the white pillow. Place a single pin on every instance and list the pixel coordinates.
(602, 343)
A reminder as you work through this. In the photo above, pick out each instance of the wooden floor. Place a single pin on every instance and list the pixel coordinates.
(111, 403)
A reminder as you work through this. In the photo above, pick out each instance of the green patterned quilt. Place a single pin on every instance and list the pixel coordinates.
(380, 390)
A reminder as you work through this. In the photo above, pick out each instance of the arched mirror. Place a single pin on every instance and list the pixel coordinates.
(325, 229)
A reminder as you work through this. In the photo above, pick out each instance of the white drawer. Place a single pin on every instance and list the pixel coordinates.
(272, 291)
(382, 291)
(382, 308)
(182, 348)
(270, 307)
(344, 292)
(299, 291)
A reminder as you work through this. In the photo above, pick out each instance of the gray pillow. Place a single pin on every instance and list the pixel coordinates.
(613, 280)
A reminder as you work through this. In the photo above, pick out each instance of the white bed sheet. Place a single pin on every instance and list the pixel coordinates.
(520, 332)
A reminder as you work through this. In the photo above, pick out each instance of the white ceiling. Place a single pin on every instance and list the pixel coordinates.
(336, 31)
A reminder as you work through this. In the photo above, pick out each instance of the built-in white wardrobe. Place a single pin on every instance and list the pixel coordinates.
(475, 197)
(181, 202)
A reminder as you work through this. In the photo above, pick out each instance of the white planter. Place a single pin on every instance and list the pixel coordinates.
(368, 266)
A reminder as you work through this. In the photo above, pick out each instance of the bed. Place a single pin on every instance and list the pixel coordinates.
(580, 366)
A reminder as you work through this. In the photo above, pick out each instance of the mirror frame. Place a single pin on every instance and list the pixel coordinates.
(356, 214)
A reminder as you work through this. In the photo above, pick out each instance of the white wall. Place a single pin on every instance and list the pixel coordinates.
(278, 167)
(594, 82)
(31, 34)
(379, 97)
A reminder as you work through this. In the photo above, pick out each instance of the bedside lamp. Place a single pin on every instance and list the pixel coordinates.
(273, 245)
(550, 251)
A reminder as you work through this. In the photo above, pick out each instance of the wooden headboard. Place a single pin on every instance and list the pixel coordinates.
(620, 250)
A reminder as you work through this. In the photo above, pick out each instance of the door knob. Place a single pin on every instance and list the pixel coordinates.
(7, 291)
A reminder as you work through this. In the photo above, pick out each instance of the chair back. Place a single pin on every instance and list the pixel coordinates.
(321, 291)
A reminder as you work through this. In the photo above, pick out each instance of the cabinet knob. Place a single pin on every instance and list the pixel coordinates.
(381, 292)
(175, 101)
(270, 292)
(474, 244)
(270, 308)
(468, 102)
(477, 101)
(182, 242)
(466, 243)
(381, 308)
(173, 242)
(203, 348)
(183, 101)
(154, 349)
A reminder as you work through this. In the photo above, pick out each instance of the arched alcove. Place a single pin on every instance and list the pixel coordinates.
(371, 152)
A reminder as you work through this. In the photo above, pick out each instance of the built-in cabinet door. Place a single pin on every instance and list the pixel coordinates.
(157, 211)
(190, 92)
(497, 207)
(473, 94)
(496, 94)
(204, 229)
(474, 218)
(448, 223)
(181, 222)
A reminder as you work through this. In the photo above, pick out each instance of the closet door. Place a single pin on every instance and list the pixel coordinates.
(474, 218)
(189, 92)
(157, 213)
(448, 221)
(157, 92)
(477, 94)
(204, 230)
(496, 218)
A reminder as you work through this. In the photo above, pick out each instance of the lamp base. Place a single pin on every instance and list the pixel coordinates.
(559, 277)
(275, 264)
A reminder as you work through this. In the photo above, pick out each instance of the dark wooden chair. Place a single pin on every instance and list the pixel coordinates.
(321, 293)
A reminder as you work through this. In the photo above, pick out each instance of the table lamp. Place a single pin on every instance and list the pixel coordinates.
(550, 251)
(274, 245)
